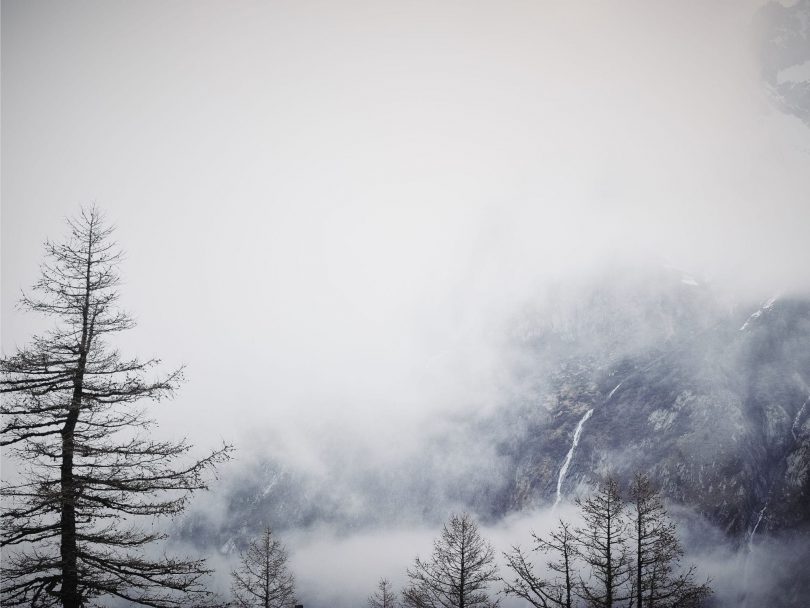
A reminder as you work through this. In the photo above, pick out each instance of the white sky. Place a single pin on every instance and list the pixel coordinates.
(330, 207)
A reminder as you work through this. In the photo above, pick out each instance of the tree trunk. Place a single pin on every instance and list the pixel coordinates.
(68, 548)
(567, 581)
(462, 572)
(609, 567)
(639, 527)
(266, 570)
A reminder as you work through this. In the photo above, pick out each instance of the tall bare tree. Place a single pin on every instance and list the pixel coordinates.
(603, 548)
(87, 465)
(263, 579)
(531, 586)
(384, 597)
(660, 580)
(459, 572)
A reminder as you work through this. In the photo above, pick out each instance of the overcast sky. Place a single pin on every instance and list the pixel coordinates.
(329, 207)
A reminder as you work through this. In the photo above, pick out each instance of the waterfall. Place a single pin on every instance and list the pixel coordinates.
(615, 388)
(746, 568)
(570, 455)
(794, 429)
(574, 442)
(754, 529)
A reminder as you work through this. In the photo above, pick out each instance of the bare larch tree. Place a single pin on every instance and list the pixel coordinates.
(87, 466)
(659, 579)
(263, 579)
(384, 596)
(459, 572)
(532, 586)
(603, 548)
(626, 554)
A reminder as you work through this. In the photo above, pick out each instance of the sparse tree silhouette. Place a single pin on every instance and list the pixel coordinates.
(626, 554)
(532, 587)
(603, 548)
(384, 597)
(87, 462)
(263, 579)
(659, 580)
(459, 572)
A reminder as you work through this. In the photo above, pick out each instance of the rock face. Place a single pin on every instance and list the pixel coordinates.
(716, 410)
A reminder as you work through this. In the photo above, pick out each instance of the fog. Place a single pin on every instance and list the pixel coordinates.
(342, 569)
(332, 209)
(337, 215)
(339, 569)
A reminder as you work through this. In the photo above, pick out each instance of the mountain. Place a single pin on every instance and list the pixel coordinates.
(715, 406)
(650, 372)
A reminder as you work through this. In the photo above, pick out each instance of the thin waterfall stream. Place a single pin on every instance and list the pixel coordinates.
(570, 455)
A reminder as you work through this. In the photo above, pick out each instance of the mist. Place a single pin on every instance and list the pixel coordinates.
(342, 568)
(363, 194)
(352, 222)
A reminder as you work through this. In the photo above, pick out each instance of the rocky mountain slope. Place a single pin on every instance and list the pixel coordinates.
(716, 411)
